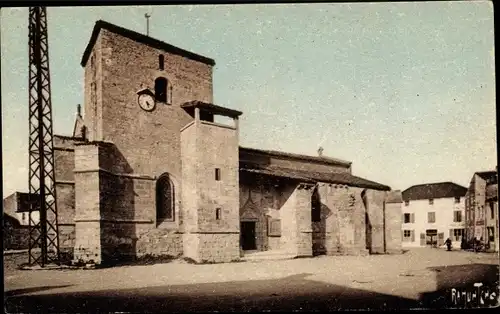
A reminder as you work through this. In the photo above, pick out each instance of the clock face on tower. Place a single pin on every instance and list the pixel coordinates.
(146, 102)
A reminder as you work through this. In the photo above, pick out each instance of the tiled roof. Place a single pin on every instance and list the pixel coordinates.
(313, 176)
(141, 38)
(322, 159)
(434, 190)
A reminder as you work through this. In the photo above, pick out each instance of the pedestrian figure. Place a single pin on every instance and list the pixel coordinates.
(477, 244)
(448, 244)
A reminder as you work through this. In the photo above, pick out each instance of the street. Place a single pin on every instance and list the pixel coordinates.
(419, 278)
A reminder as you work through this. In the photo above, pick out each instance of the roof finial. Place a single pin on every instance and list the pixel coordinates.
(147, 16)
(320, 151)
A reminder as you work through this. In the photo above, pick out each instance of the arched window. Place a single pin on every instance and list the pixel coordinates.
(161, 89)
(161, 61)
(164, 199)
(315, 207)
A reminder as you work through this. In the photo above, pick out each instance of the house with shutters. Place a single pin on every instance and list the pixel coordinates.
(433, 212)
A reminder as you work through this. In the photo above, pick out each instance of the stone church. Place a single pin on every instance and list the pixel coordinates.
(150, 170)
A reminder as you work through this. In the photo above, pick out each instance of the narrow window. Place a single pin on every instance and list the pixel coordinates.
(407, 203)
(164, 199)
(217, 174)
(161, 89)
(161, 61)
(492, 209)
(457, 216)
(217, 214)
(431, 217)
(457, 199)
(431, 201)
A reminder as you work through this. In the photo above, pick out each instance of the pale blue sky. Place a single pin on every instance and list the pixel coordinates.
(405, 91)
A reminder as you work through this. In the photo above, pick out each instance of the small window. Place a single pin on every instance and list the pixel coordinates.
(161, 89)
(217, 174)
(218, 214)
(407, 218)
(457, 200)
(407, 233)
(457, 216)
(161, 61)
(407, 203)
(431, 217)
(431, 201)
(24, 216)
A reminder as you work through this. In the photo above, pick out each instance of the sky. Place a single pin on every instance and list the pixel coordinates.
(405, 91)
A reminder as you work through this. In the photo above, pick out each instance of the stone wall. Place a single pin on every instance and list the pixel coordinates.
(87, 203)
(260, 200)
(343, 220)
(158, 242)
(64, 166)
(393, 222)
(15, 236)
(205, 147)
(296, 229)
(375, 202)
(149, 141)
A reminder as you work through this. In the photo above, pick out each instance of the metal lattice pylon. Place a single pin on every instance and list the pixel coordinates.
(43, 234)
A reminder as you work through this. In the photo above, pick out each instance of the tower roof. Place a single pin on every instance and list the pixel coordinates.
(211, 108)
(141, 38)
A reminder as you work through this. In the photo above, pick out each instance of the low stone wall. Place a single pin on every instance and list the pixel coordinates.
(159, 242)
(15, 238)
(213, 247)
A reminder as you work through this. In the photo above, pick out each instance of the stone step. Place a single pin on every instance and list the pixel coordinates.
(268, 255)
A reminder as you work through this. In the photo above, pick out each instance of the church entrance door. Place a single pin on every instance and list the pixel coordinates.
(247, 235)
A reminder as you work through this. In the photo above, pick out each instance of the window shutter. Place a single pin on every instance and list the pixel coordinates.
(403, 218)
(412, 235)
(451, 234)
(402, 234)
(412, 218)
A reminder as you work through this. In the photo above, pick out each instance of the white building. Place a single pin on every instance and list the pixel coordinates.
(432, 213)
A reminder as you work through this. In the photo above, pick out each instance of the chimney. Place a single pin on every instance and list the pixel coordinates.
(320, 151)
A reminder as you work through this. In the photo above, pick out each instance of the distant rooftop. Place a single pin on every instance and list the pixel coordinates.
(433, 191)
(141, 38)
(489, 176)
